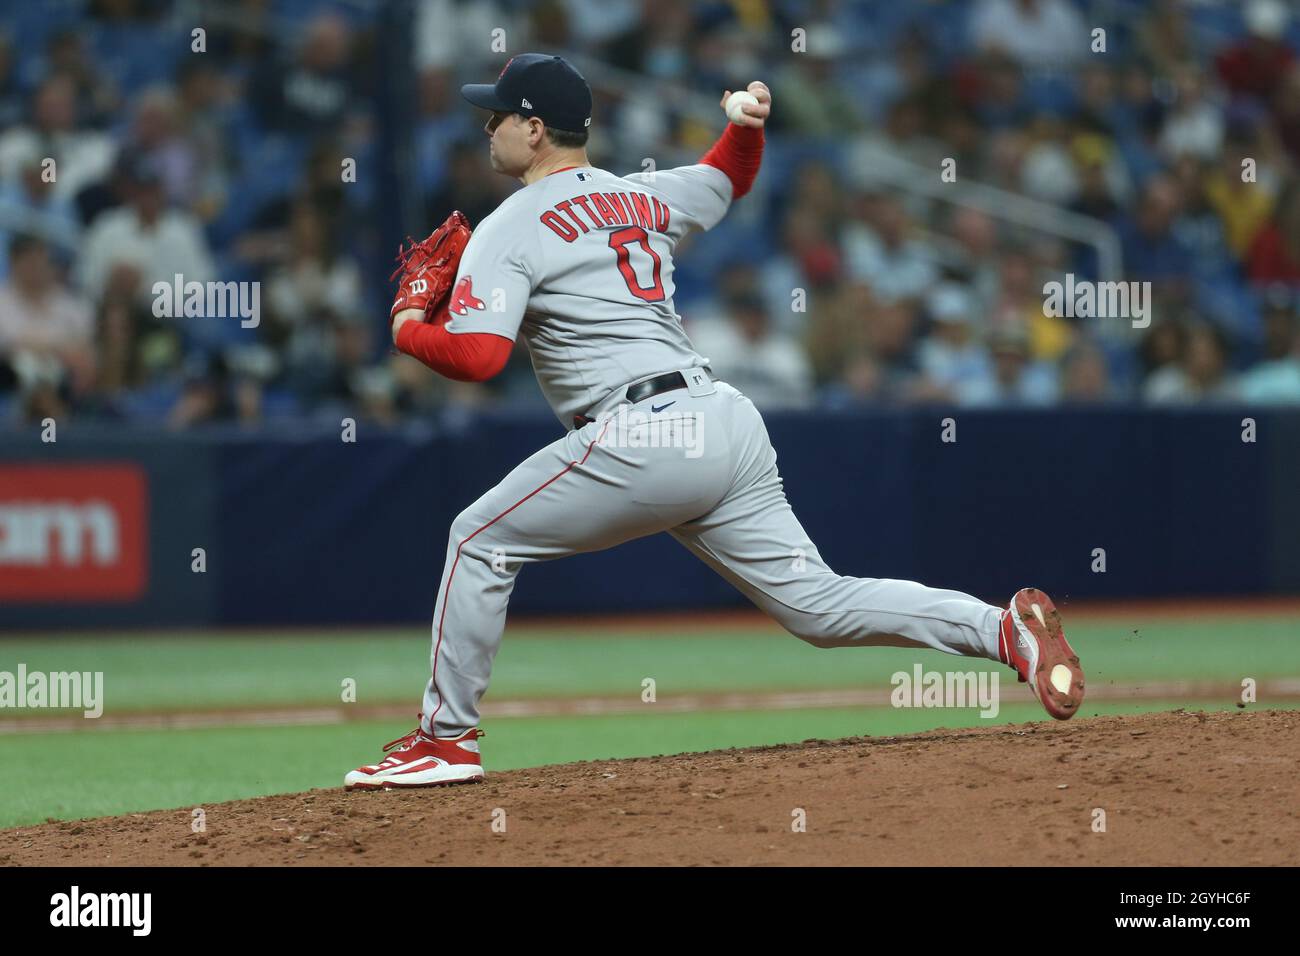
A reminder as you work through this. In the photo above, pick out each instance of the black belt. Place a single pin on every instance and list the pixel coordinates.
(668, 382)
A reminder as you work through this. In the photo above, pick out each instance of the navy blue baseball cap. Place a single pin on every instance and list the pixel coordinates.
(534, 84)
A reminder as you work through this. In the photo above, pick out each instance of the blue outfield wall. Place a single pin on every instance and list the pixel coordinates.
(308, 529)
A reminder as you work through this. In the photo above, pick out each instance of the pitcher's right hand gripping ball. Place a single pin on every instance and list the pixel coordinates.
(428, 268)
(750, 106)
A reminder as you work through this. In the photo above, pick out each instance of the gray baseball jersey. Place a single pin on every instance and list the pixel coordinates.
(582, 263)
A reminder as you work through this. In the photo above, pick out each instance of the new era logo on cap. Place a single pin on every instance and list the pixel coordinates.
(547, 87)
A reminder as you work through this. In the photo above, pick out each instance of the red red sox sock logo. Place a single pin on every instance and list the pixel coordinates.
(463, 299)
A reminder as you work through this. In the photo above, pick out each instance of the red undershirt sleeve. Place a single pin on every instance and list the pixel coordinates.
(465, 356)
(738, 153)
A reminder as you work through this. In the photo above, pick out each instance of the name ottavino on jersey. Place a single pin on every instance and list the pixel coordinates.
(567, 220)
(591, 293)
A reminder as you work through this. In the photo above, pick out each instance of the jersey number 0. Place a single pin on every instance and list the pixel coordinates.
(619, 241)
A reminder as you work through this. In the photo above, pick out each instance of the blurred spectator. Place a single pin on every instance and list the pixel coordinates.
(817, 190)
(1194, 127)
(155, 135)
(442, 124)
(658, 45)
(1243, 207)
(1275, 252)
(144, 242)
(1101, 180)
(46, 331)
(1047, 171)
(884, 253)
(456, 33)
(203, 122)
(1152, 251)
(341, 373)
(1085, 375)
(212, 394)
(311, 92)
(973, 259)
(881, 155)
(315, 275)
(108, 193)
(1037, 33)
(267, 239)
(838, 330)
(1164, 39)
(1201, 375)
(861, 383)
(1020, 307)
(819, 105)
(470, 185)
(904, 73)
(80, 156)
(1255, 64)
(549, 25)
(951, 354)
(30, 204)
(891, 337)
(314, 286)
(1276, 380)
(809, 259)
(1015, 380)
(135, 348)
(1162, 347)
(1286, 111)
(96, 94)
(11, 93)
(1199, 227)
(246, 36)
(771, 369)
(1098, 107)
(993, 86)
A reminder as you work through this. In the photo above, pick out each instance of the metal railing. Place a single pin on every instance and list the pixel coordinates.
(902, 174)
(896, 171)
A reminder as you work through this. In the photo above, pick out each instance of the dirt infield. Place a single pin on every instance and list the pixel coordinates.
(1177, 788)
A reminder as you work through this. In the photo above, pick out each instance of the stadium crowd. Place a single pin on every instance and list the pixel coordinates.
(838, 283)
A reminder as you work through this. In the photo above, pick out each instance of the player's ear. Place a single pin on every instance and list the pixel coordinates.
(536, 131)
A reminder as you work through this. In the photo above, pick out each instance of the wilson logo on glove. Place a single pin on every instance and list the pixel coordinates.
(418, 286)
(463, 299)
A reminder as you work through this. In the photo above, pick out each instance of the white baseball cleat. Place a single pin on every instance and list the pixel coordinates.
(1032, 642)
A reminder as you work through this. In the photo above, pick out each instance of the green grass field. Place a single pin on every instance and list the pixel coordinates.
(99, 772)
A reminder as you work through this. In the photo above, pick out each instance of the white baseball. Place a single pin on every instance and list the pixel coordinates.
(736, 101)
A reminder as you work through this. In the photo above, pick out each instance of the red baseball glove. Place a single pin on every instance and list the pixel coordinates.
(428, 268)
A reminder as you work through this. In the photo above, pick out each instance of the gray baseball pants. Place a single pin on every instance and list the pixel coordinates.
(703, 469)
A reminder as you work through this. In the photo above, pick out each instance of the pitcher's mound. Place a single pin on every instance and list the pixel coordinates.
(1162, 789)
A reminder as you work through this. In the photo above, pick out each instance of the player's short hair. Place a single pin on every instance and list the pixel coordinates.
(566, 138)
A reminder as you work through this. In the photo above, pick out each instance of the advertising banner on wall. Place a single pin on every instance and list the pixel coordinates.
(73, 532)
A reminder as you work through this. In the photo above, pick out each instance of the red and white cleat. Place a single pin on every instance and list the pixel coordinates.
(1032, 642)
(418, 760)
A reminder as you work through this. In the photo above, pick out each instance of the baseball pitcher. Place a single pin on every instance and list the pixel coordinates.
(580, 263)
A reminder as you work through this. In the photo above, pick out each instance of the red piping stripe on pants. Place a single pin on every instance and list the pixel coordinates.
(455, 561)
